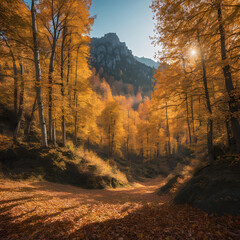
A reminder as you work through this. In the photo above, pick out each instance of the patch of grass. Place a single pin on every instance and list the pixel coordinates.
(102, 167)
(69, 165)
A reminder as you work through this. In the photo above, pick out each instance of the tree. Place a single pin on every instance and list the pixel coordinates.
(38, 75)
(185, 25)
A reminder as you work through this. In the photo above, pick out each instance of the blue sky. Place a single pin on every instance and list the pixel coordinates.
(130, 19)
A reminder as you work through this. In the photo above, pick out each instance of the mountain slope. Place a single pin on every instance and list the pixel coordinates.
(147, 61)
(118, 61)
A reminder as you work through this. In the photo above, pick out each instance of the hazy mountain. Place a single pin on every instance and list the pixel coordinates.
(117, 61)
(147, 61)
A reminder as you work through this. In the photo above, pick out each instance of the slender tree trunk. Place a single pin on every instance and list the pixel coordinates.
(186, 99)
(15, 88)
(186, 137)
(75, 130)
(233, 104)
(15, 77)
(63, 131)
(38, 76)
(76, 99)
(150, 153)
(69, 60)
(128, 138)
(50, 82)
(210, 139)
(113, 138)
(69, 70)
(31, 119)
(192, 113)
(54, 132)
(62, 88)
(228, 133)
(199, 112)
(178, 145)
(188, 122)
(168, 131)
(21, 101)
(210, 121)
(76, 122)
(157, 153)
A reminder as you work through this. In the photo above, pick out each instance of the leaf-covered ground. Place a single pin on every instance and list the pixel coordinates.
(43, 210)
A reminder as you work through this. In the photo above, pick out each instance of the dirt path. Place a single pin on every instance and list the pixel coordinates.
(43, 210)
(140, 193)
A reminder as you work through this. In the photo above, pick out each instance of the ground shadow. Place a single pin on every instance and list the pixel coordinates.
(148, 222)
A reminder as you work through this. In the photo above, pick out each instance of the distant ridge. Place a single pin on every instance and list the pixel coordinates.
(147, 61)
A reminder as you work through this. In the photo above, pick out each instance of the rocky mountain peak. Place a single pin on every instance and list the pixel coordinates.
(112, 37)
(118, 61)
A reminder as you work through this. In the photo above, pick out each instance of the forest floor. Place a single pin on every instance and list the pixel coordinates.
(42, 210)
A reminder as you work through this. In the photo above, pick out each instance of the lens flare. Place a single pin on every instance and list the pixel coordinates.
(193, 52)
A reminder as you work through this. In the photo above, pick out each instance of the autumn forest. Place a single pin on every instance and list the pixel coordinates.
(96, 143)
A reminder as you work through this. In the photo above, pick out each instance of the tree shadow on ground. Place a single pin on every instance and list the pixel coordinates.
(162, 222)
(148, 222)
(45, 226)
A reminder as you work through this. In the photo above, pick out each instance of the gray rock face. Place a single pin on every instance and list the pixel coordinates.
(118, 61)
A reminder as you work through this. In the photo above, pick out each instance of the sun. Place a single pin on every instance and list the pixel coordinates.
(193, 52)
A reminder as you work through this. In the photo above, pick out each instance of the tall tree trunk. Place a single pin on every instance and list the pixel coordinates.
(199, 112)
(69, 60)
(128, 138)
(15, 88)
(62, 88)
(186, 99)
(15, 77)
(38, 76)
(54, 132)
(50, 82)
(229, 139)
(21, 100)
(76, 99)
(168, 131)
(192, 113)
(188, 122)
(178, 144)
(113, 138)
(210, 121)
(63, 130)
(76, 122)
(69, 70)
(233, 104)
(31, 119)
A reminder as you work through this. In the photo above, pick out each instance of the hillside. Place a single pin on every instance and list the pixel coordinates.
(117, 61)
(147, 61)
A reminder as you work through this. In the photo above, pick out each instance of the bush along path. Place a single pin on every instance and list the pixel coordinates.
(43, 210)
